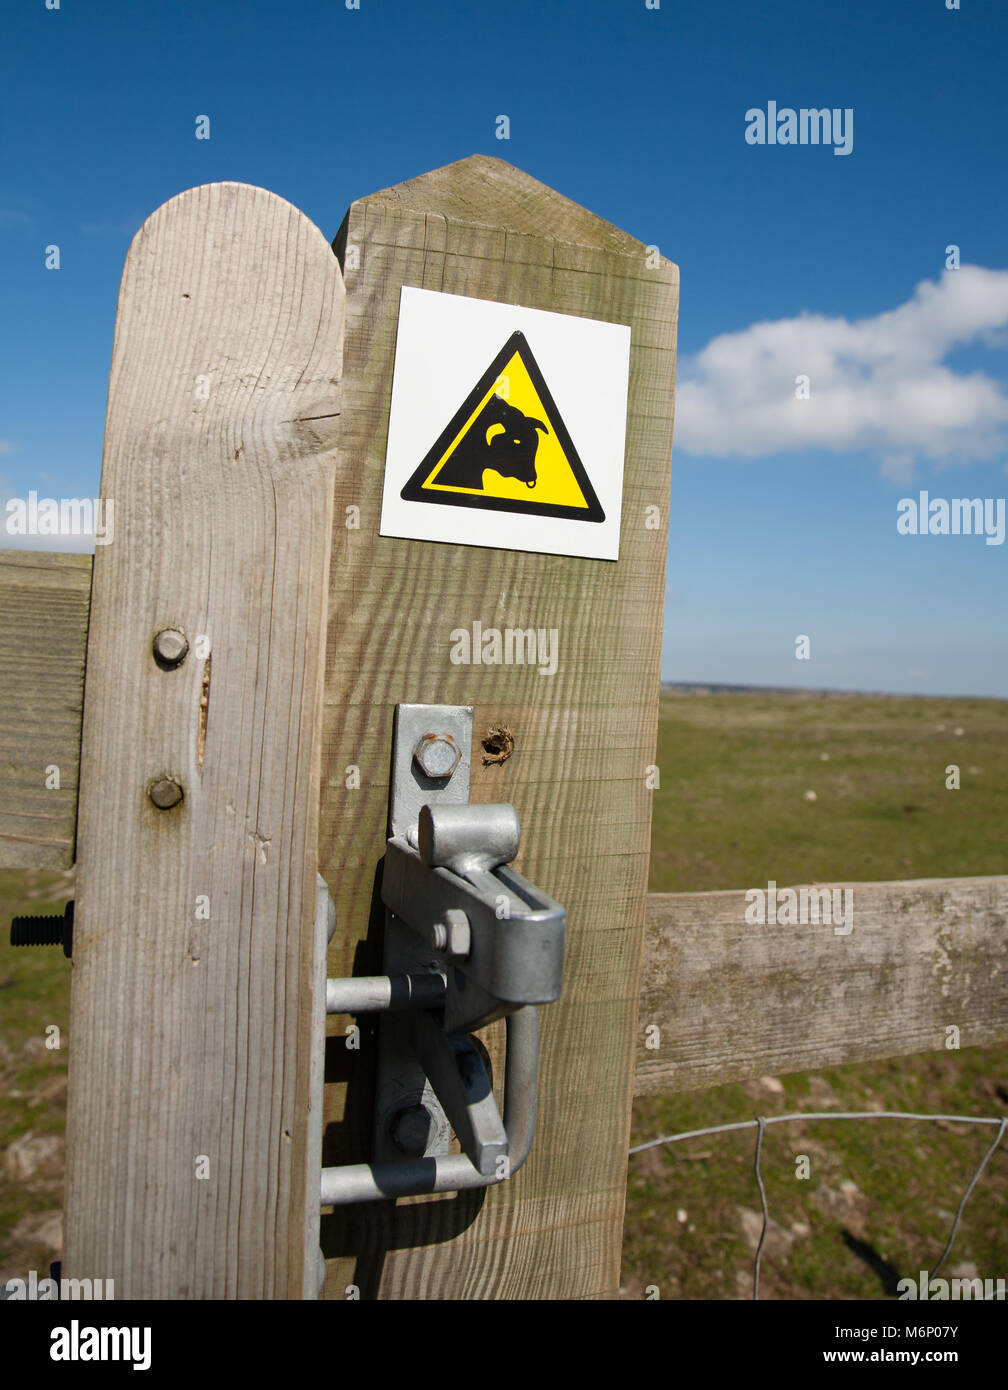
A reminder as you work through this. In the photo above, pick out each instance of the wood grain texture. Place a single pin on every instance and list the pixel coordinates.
(44, 601)
(189, 1175)
(734, 1000)
(583, 737)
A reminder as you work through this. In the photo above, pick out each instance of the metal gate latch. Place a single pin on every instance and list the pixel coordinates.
(467, 941)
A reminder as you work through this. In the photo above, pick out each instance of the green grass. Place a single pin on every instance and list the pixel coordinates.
(34, 994)
(907, 1181)
(731, 809)
(731, 813)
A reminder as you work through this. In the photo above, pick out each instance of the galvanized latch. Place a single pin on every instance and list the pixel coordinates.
(467, 941)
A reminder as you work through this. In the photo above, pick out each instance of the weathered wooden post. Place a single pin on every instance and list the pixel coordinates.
(542, 342)
(580, 771)
(190, 1171)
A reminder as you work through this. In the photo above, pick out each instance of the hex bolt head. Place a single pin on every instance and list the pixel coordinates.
(453, 935)
(459, 932)
(437, 756)
(411, 1129)
(165, 793)
(170, 648)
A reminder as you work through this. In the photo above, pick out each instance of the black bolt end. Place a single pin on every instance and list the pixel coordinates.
(52, 930)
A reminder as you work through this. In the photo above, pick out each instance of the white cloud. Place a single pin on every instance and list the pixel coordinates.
(7, 446)
(878, 384)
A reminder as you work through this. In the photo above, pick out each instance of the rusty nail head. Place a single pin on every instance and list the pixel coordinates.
(170, 647)
(437, 756)
(165, 793)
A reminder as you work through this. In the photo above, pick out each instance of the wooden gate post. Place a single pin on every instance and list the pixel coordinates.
(584, 738)
(190, 1174)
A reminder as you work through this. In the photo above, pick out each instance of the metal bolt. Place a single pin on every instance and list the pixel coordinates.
(165, 793)
(453, 935)
(54, 930)
(437, 756)
(410, 1130)
(170, 648)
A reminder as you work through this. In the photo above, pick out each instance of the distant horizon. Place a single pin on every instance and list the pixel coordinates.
(735, 688)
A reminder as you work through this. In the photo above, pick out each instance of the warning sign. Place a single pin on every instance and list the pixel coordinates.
(507, 448)
(507, 427)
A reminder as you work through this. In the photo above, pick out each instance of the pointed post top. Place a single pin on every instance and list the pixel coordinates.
(484, 190)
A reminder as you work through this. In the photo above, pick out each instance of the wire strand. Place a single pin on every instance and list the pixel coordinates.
(761, 1122)
(962, 1204)
(820, 1115)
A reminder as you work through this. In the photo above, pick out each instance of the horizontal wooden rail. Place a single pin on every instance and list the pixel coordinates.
(730, 999)
(44, 601)
(733, 999)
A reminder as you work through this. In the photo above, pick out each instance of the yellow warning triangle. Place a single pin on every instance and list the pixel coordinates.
(507, 449)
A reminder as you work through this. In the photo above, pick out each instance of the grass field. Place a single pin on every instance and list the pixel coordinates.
(34, 993)
(732, 811)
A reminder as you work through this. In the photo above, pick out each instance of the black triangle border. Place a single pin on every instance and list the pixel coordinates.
(414, 491)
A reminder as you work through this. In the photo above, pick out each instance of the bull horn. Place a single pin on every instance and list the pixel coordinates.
(540, 426)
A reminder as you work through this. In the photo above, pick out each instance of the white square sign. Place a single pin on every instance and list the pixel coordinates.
(507, 427)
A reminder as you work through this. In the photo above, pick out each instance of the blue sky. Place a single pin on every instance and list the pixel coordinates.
(794, 260)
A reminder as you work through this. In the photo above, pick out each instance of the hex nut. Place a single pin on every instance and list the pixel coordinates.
(459, 937)
(170, 648)
(452, 935)
(411, 1130)
(165, 793)
(437, 756)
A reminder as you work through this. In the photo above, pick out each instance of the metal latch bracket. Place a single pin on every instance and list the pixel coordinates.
(467, 941)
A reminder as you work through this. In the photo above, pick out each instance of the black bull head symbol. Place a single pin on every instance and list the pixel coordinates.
(501, 438)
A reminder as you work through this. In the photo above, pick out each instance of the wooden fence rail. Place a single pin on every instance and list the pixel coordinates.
(733, 999)
(44, 602)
